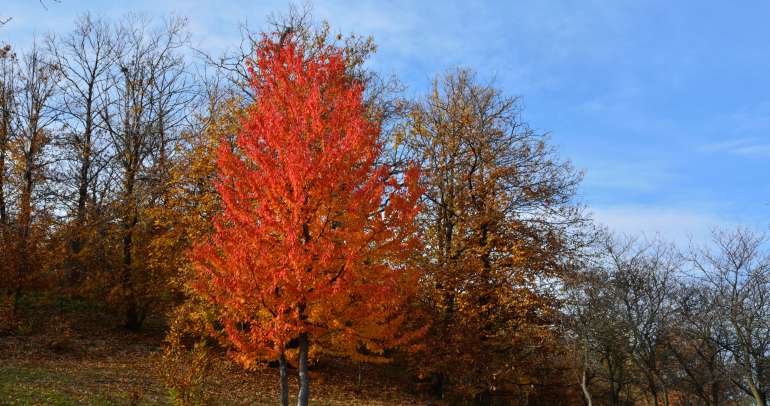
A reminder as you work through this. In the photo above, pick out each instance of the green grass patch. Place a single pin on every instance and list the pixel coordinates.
(50, 385)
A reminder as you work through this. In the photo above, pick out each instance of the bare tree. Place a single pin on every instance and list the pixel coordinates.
(694, 343)
(5, 20)
(595, 328)
(32, 135)
(8, 68)
(644, 277)
(86, 57)
(146, 103)
(737, 273)
(8, 84)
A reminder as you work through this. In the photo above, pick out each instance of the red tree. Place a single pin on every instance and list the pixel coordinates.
(313, 242)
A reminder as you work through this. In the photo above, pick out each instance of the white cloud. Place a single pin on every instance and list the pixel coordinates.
(628, 175)
(676, 224)
(748, 147)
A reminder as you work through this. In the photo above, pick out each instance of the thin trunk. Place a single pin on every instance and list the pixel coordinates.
(4, 130)
(584, 377)
(304, 378)
(758, 398)
(284, 384)
(85, 167)
(437, 385)
(484, 398)
(76, 244)
(25, 224)
(2, 187)
(132, 312)
(584, 388)
(3, 240)
(615, 380)
(360, 379)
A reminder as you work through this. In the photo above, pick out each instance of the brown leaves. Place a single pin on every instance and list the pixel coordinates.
(494, 193)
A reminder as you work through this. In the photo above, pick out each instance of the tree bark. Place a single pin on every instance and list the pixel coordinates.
(133, 321)
(304, 378)
(584, 388)
(23, 253)
(5, 129)
(76, 244)
(3, 214)
(284, 384)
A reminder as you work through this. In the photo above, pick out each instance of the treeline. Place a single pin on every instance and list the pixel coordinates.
(650, 322)
(109, 139)
(93, 124)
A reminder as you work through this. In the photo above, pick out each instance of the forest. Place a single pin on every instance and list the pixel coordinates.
(281, 223)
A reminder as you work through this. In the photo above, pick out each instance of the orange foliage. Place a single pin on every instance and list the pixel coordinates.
(314, 237)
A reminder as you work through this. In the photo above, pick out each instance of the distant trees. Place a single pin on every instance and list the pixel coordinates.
(29, 83)
(90, 125)
(86, 57)
(694, 345)
(145, 110)
(736, 274)
(685, 326)
(596, 338)
(8, 79)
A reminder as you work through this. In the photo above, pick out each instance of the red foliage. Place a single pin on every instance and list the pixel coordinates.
(315, 236)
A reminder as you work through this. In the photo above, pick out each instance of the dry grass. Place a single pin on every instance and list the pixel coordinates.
(107, 366)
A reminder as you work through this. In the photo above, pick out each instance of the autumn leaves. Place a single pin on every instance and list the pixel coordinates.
(295, 208)
(313, 242)
(316, 248)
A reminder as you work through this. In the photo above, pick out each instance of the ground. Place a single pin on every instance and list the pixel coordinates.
(90, 362)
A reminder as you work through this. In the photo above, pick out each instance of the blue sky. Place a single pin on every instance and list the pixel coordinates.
(664, 104)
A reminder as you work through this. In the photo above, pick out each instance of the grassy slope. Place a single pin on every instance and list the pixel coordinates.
(82, 364)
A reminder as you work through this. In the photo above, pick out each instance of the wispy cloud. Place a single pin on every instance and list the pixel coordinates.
(747, 147)
(629, 175)
(676, 224)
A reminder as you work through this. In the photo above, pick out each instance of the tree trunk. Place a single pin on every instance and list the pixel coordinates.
(437, 385)
(584, 388)
(758, 397)
(23, 253)
(130, 220)
(76, 244)
(360, 379)
(483, 398)
(304, 378)
(284, 384)
(653, 391)
(133, 321)
(3, 214)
